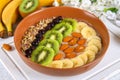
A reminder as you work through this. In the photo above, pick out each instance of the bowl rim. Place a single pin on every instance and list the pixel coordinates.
(32, 14)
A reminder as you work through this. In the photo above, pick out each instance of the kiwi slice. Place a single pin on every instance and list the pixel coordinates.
(43, 55)
(28, 6)
(64, 28)
(71, 21)
(54, 35)
(50, 43)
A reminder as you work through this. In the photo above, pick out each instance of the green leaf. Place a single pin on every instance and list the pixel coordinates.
(93, 1)
(112, 9)
(80, 0)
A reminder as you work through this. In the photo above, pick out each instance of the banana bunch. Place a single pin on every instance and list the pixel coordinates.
(48, 2)
(8, 16)
(3, 3)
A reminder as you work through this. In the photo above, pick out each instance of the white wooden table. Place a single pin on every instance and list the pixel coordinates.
(18, 70)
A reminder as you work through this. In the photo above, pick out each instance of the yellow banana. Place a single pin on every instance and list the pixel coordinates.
(83, 57)
(95, 37)
(3, 3)
(95, 42)
(88, 32)
(92, 48)
(67, 63)
(77, 61)
(90, 54)
(9, 15)
(80, 26)
(56, 64)
(15, 16)
(2, 30)
(47, 2)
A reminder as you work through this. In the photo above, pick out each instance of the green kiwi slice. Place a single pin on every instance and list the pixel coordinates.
(43, 55)
(50, 43)
(71, 21)
(64, 28)
(54, 35)
(28, 6)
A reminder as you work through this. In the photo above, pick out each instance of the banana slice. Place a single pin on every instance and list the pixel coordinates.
(90, 54)
(56, 64)
(92, 48)
(77, 62)
(88, 32)
(67, 63)
(80, 26)
(94, 37)
(95, 42)
(83, 57)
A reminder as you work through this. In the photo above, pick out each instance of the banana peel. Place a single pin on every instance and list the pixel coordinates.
(45, 3)
(3, 3)
(2, 30)
(9, 15)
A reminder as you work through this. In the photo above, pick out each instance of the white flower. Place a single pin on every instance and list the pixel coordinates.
(65, 2)
(75, 3)
(108, 3)
(118, 14)
(110, 15)
(86, 3)
(55, 3)
(72, 3)
(117, 3)
(117, 22)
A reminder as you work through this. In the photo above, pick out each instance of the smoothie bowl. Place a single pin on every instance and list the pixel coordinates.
(61, 41)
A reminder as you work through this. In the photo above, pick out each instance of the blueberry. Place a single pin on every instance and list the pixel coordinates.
(52, 24)
(33, 47)
(57, 19)
(43, 31)
(40, 31)
(35, 42)
(47, 28)
(28, 56)
(38, 40)
(60, 17)
(39, 35)
(49, 25)
(28, 52)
